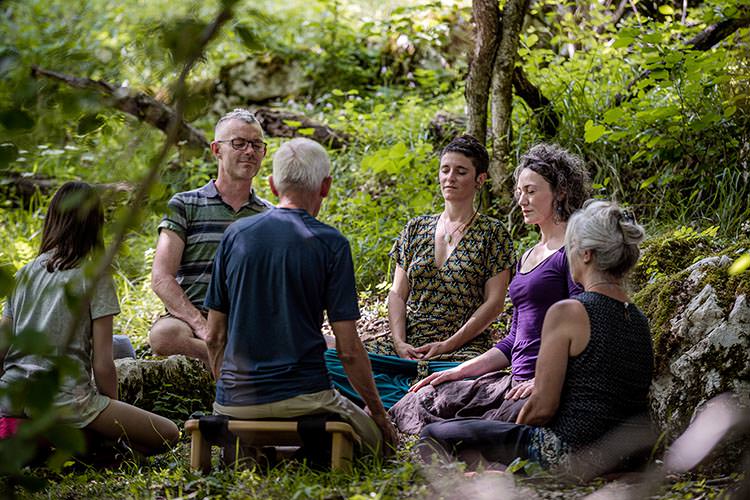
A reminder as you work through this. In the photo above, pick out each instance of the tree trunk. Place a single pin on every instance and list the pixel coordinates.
(487, 21)
(502, 90)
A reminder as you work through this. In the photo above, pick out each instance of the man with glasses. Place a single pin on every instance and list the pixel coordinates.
(192, 229)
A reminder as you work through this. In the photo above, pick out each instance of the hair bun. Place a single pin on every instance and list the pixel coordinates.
(632, 232)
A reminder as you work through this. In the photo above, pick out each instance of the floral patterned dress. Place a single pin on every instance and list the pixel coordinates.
(442, 299)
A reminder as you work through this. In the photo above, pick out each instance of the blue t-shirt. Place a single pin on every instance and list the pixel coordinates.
(274, 274)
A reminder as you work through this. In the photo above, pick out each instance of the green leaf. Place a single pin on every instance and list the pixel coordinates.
(306, 131)
(292, 123)
(337, 92)
(9, 60)
(66, 437)
(32, 342)
(593, 132)
(249, 37)
(398, 151)
(613, 115)
(740, 265)
(623, 41)
(667, 10)
(531, 40)
(182, 38)
(8, 153)
(649, 181)
(89, 123)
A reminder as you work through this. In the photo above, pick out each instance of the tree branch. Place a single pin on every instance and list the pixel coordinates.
(139, 104)
(281, 123)
(616, 16)
(513, 15)
(714, 34)
(486, 16)
(538, 102)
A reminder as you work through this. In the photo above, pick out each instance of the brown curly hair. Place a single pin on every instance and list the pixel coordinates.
(564, 171)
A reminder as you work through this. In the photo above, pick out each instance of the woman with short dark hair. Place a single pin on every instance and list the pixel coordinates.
(550, 184)
(451, 274)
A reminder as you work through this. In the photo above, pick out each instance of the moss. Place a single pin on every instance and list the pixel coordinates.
(660, 301)
(672, 252)
(660, 276)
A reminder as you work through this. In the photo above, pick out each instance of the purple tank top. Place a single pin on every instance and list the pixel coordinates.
(532, 294)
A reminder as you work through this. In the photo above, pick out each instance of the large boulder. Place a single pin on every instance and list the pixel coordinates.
(700, 318)
(173, 387)
(257, 80)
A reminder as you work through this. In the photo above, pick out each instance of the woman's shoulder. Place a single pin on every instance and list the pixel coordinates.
(490, 224)
(567, 309)
(421, 221)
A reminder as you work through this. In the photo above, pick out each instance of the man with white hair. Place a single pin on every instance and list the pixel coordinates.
(273, 277)
(192, 229)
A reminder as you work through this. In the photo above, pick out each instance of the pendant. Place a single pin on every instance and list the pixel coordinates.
(448, 238)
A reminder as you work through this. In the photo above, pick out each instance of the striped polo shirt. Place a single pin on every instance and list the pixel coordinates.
(200, 217)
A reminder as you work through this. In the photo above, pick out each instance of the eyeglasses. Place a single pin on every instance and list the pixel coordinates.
(241, 144)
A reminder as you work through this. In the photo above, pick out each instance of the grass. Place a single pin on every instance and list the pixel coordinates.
(169, 477)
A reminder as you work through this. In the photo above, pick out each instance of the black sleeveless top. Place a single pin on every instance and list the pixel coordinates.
(607, 384)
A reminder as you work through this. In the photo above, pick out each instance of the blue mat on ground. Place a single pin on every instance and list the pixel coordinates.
(393, 375)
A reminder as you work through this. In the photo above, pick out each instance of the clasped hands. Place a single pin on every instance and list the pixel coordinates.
(427, 351)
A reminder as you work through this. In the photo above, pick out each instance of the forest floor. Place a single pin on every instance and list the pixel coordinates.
(169, 477)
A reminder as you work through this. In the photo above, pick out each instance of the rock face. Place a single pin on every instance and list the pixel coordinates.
(256, 81)
(700, 318)
(173, 387)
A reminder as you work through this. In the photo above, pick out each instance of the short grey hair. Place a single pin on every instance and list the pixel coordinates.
(300, 165)
(241, 114)
(610, 232)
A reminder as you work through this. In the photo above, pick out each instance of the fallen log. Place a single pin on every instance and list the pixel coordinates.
(276, 123)
(19, 190)
(282, 123)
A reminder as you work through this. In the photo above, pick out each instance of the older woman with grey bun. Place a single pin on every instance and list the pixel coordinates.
(594, 367)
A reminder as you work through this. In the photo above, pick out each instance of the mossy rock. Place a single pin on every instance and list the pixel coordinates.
(700, 319)
(670, 253)
(173, 387)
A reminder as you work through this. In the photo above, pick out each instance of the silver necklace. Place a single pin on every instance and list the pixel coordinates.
(448, 236)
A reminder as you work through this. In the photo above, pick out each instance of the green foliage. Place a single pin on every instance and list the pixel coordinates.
(673, 147)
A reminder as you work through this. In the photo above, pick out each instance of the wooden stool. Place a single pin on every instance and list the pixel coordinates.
(273, 433)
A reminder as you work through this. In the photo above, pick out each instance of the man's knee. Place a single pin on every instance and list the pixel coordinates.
(165, 333)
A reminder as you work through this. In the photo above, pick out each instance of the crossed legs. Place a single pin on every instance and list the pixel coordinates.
(170, 335)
